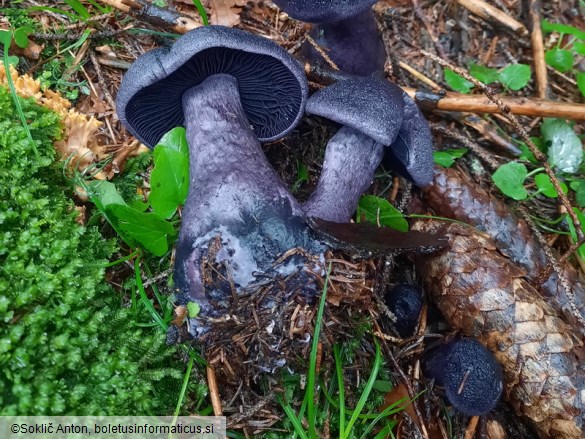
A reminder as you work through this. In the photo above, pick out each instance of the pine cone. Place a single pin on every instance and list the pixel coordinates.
(485, 295)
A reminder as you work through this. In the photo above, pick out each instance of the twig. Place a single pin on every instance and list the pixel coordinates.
(422, 17)
(492, 163)
(322, 52)
(451, 101)
(538, 50)
(77, 36)
(523, 134)
(492, 14)
(418, 75)
(101, 80)
(144, 11)
(214, 391)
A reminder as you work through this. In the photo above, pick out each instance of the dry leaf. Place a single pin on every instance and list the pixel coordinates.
(225, 12)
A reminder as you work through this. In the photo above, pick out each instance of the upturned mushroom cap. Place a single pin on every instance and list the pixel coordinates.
(370, 105)
(470, 374)
(323, 11)
(272, 84)
(411, 154)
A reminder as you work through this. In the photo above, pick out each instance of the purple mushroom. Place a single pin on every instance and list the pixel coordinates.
(469, 373)
(346, 30)
(375, 114)
(230, 90)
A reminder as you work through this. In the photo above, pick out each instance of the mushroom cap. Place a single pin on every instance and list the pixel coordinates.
(405, 302)
(272, 84)
(411, 154)
(323, 11)
(470, 374)
(370, 105)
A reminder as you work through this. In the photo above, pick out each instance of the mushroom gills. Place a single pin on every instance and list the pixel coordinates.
(238, 214)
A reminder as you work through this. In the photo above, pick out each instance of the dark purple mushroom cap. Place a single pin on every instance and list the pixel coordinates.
(370, 105)
(411, 154)
(323, 11)
(405, 302)
(470, 374)
(272, 84)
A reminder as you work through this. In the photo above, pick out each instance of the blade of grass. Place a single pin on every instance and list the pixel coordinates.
(144, 298)
(202, 12)
(341, 387)
(183, 390)
(366, 393)
(311, 412)
(290, 414)
(15, 96)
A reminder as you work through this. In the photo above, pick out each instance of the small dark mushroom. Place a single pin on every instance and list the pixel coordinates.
(230, 89)
(469, 373)
(345, 29)
(405, 302)
(372, 113)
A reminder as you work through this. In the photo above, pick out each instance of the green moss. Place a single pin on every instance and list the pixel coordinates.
(66, 344)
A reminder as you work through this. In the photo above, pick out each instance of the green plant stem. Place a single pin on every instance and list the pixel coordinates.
(118, 261)
(183, 390)
(17, 102)
(311, 412)
(535, 171)
(369, 385)
(144, 298)
(341, 389)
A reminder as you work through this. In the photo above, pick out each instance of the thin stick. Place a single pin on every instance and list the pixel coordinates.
(418, 75)
(480, 104)
(492, 14)
(214, 391)
(144, 11)
(540, 72)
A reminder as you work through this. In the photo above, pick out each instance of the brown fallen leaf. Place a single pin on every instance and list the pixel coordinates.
(225, 12)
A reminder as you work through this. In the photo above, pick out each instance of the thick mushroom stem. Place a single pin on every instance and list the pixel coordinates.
(353, 44)
(351, 158)
(235, 196)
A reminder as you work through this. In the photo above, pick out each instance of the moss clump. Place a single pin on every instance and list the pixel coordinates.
(66, 344)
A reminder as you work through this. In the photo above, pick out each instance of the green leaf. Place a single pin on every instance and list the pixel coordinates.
(193, 308)
(13, 60)
(510, 179)
(457, 82)
(149, 229)
(169, 180)
(580, 76)
(484, 74)
(559, 59)
(515, 76)
(545, 186)
(548, 27)
(447, 157)
(526, 153)
(378, 210)
(176, 140)
(565, 150)
(579, 47)
(5, 38)
(579, 187)
(105, 192)
(21, 36)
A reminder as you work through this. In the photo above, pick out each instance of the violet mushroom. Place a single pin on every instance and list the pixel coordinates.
(346, 29)
(469, 373)
(378, 118)
(230, 90)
